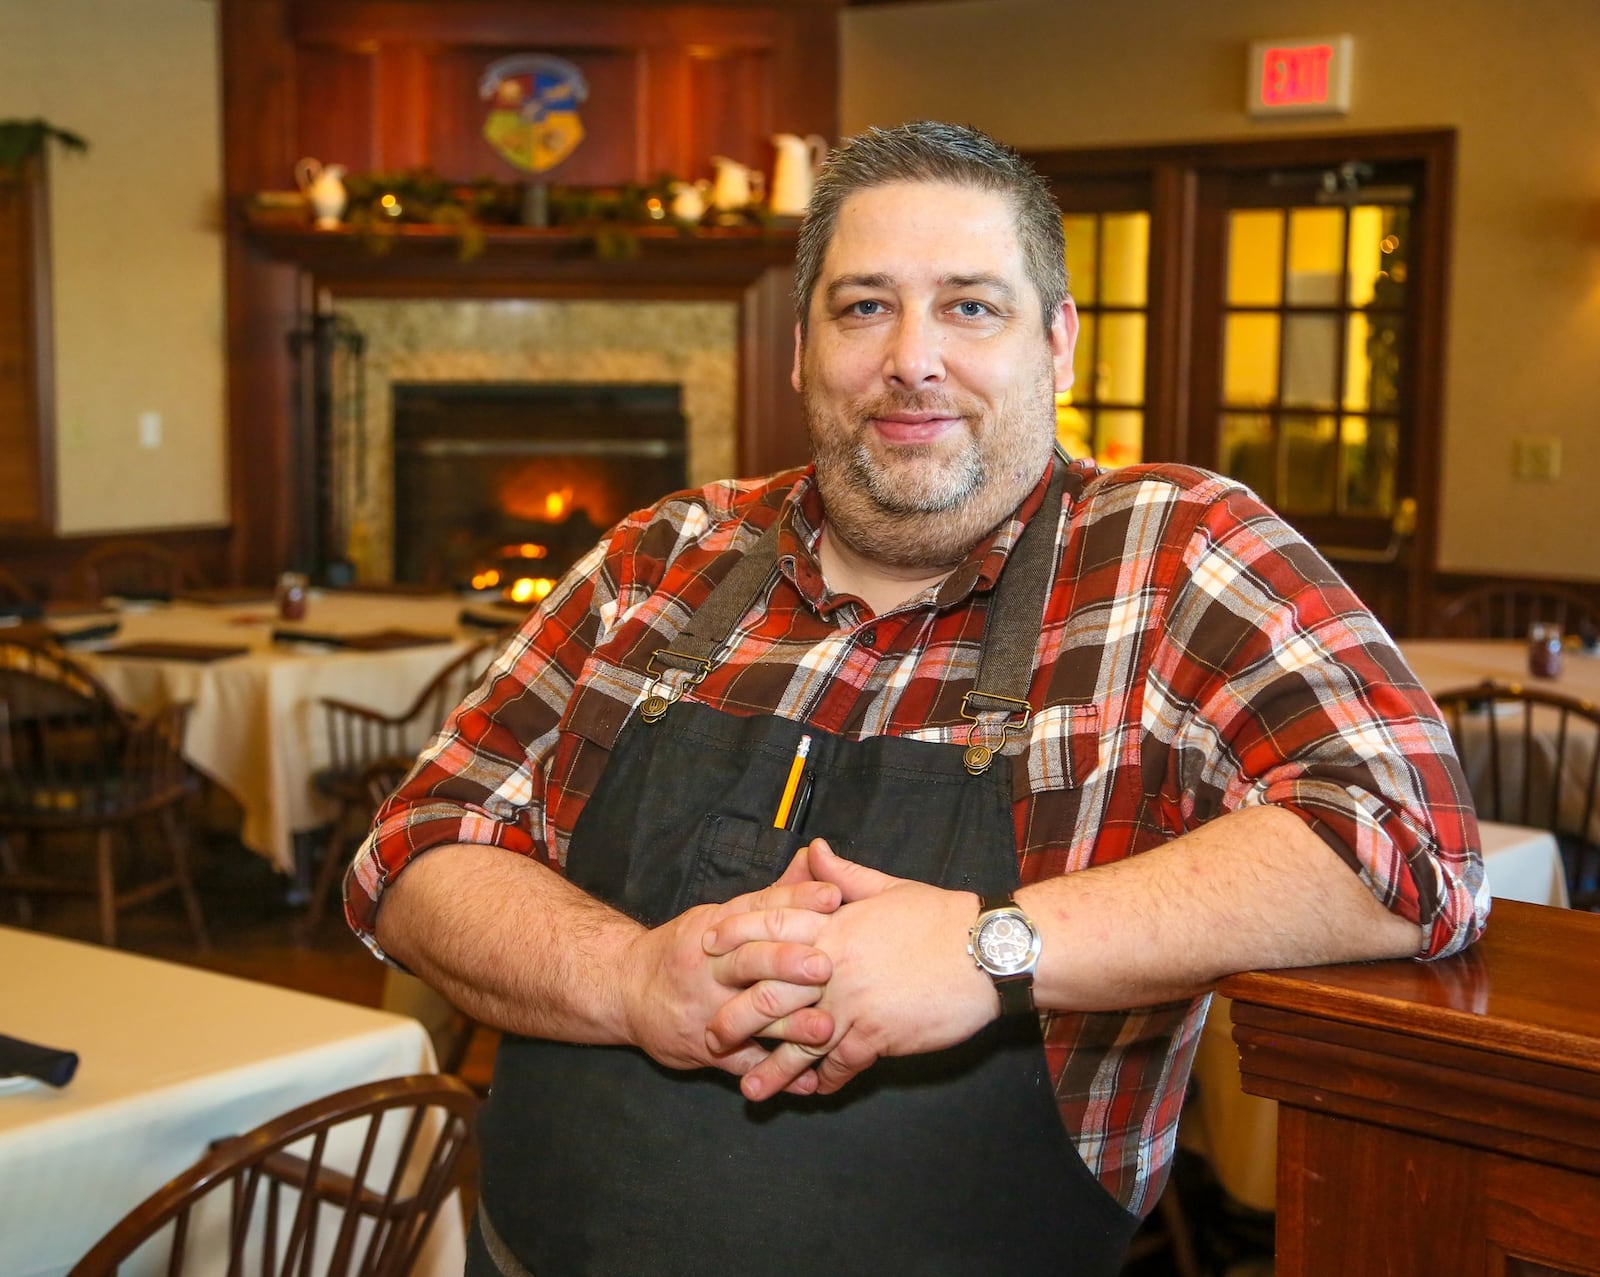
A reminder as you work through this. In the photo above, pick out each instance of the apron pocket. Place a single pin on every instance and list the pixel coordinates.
(734, 854)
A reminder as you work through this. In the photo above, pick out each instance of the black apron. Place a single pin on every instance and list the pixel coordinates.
(597, 1161)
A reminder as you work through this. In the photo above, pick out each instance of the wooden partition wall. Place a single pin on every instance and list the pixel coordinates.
(389, 85)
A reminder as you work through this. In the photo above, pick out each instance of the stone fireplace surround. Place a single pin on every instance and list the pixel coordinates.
(689, 343)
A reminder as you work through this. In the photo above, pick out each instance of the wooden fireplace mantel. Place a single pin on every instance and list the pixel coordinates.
(657, 262)
(1436, 1117)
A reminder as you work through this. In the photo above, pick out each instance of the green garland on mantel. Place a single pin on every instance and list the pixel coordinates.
(21, 140)
(380, 203)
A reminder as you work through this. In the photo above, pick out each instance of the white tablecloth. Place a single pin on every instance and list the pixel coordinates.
(1238, 1133)
(1443, 664)
(255, 727)
(171, 1058)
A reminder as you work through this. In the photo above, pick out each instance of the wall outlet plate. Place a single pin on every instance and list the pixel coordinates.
(1536, 458)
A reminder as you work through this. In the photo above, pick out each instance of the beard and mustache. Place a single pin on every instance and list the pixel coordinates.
(925, 506)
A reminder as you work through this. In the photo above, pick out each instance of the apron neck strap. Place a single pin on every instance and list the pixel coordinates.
(1016, 611)
(713, 621)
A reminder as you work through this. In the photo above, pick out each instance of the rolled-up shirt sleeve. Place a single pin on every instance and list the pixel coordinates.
(483, 778)
(1272, 683)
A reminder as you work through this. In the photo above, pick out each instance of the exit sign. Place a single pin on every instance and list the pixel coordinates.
(1299, 77)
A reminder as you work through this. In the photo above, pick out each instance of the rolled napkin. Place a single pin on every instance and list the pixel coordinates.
(47, 1063)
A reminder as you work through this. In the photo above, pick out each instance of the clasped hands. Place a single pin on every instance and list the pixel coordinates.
(802, 985)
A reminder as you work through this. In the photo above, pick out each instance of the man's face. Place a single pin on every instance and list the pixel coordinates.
(927, 373)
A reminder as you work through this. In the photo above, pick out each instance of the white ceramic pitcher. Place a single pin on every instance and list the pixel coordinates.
(689, 200)
(794, 172)
(323, 185)
(737, 185)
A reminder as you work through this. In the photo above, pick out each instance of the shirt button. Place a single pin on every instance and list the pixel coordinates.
(869, 636)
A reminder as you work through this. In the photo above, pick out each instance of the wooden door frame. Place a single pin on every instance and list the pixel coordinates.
(1176, 344)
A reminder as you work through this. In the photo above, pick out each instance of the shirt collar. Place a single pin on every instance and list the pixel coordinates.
(802, 527)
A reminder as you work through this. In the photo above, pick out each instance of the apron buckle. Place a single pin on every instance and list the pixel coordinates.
(980, 751)
(663, 693)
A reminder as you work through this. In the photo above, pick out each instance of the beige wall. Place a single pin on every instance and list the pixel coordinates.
(137, 250)
(1520, 83)
(138, 258)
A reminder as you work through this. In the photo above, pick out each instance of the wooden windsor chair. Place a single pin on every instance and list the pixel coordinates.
(133, 569)
(1507, 609)
(348, 1184)
(1535, 757)
(73, 761)
(366, 746)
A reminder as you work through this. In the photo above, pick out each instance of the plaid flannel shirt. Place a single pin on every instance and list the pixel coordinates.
(1197, 656)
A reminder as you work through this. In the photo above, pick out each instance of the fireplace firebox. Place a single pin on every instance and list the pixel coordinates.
(503, 485)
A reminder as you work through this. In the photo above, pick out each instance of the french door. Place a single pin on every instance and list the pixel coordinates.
(1274, 311)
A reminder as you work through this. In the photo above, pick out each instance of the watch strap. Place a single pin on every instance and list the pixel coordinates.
(1016, 994)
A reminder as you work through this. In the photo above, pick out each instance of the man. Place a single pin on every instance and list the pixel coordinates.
(888, 788)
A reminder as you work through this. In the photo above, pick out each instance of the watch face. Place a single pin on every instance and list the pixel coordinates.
(1006, 944)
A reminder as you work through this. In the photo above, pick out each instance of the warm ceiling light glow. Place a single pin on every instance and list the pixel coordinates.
(486, 580)
(531, 550)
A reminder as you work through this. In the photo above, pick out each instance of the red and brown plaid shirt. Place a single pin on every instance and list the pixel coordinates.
(1196, 657)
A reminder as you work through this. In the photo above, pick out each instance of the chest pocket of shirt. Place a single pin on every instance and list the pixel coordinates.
(1063, 752)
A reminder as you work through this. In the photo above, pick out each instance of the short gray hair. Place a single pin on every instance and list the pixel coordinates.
(928, 151)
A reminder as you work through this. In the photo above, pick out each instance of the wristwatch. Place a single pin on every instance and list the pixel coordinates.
(1005, 944)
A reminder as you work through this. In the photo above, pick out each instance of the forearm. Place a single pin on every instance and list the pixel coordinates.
(511, 943)
(1253, 889)
(517, 946)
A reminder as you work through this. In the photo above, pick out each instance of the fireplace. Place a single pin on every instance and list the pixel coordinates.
(503, 485)
(489, 361)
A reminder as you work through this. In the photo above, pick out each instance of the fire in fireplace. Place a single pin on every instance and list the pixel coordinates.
(503, 485)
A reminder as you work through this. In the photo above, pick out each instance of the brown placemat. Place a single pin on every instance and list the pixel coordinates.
(228, 594)
(402, 588)
(158, 651)
(383, 640)
(366, 641)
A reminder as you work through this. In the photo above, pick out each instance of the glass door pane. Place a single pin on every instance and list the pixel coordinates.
(1108, 263)
(1312, 343)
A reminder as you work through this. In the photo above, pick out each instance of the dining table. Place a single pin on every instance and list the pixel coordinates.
(1560, 754)
(171, 1057)
(1445, 664)
(1238, 1133)
(253, 682)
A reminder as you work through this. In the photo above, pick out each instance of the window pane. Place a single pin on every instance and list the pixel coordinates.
(1316, 256)
(1121, 437)
(1083, 359)
(1247, 453)
(1119, 370)
(1310, 360)
(1371, 449)
(1124, 258)
(1255, 257)
(1250, 360)
(1378, 244)
(1309, 461)
(1383, 354)
(1357, 364)
(1079, 228)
